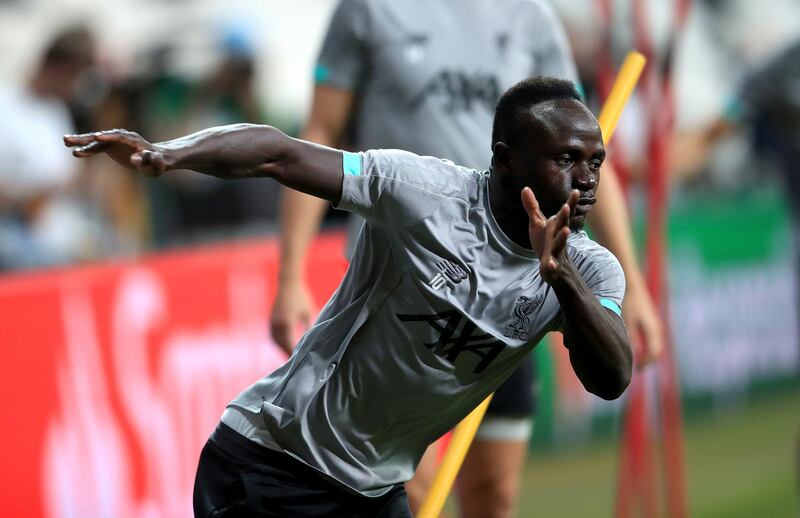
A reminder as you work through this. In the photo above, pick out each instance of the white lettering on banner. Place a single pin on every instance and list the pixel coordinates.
(86, 464)
(733, 326)
(168, 402)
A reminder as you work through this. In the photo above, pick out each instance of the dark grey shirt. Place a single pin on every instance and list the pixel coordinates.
(427, 73)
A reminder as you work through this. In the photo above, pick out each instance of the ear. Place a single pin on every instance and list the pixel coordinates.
(501, 160)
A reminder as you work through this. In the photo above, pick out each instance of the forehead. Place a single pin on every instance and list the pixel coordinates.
(564, 122)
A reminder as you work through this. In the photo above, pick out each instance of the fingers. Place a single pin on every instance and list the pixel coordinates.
(292, 308)
(90, 149)
(644, 324)
(572, 201)
(531, 205)
(120, 136)
(79, 140)
(560, 241)
(86, 143)
(281, 331)
(652, 341)
(562, 217)
(93, 142)
(116, 135)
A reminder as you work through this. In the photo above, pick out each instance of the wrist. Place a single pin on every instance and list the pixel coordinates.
(290, 279)
(174, 156)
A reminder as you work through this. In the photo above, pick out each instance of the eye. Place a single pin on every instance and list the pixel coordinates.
(565, 160)
(595, 164)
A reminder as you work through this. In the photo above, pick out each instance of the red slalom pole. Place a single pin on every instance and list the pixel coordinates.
(637, 481)
(638, 474)
(661, 112)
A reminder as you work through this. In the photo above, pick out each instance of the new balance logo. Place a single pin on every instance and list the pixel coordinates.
(450, 270)
(453, 271)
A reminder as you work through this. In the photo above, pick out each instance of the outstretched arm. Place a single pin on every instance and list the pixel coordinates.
(230, 152)
(598, 344)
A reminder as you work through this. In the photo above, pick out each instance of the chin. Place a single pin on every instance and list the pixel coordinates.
(576, 223)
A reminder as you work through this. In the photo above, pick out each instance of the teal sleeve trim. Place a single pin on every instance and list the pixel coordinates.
(321, 74)
(351, 163)
(581, 91)
(733, 111)
(610, 304)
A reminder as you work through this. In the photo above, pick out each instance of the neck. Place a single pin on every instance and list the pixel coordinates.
(507, 209)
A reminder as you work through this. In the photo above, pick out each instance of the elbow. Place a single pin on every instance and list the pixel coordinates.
(614, 384)
(618, 377)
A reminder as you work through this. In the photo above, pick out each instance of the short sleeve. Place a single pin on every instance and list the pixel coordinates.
(603, 274)
(549, 44)
(397, 188)
(343, 57)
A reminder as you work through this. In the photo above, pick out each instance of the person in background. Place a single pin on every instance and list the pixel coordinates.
(189, 208)
(425, 77)
(34, 171)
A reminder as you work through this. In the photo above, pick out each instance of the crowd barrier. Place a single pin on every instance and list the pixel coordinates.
(114, 375)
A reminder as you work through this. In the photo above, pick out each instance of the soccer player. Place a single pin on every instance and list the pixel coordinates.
(453, 281)
(425, 77)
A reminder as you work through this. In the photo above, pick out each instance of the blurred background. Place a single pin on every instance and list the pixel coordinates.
(133, 309)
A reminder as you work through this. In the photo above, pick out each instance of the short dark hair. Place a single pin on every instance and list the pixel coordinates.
(72, 46)
(509, 115)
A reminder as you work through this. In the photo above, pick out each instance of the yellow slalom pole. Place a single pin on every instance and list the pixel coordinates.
(463, 434)
(623, 86)
(451, 463)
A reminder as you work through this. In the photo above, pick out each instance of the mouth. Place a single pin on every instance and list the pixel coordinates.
(584, 205)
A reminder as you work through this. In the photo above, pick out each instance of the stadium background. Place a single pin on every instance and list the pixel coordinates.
(120, 350)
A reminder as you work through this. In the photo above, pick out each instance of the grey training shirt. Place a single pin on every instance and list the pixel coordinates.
(437, 308)
(427, 74)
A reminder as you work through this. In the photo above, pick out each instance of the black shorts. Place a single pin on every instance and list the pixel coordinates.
(516, 397)
(239, 478)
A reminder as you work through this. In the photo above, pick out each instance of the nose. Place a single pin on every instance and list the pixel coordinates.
(584, 179)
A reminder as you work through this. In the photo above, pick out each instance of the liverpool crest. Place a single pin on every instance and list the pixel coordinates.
(523, 308)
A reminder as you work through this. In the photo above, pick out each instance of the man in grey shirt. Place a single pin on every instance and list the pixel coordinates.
(453, 283)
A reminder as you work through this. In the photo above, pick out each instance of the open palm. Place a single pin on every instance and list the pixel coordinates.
(127, 148)
(548, 235)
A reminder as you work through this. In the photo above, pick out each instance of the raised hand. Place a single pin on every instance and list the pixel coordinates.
(127, 148)
(549, 235)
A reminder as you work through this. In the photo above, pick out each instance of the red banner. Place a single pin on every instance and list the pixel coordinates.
(114, 375)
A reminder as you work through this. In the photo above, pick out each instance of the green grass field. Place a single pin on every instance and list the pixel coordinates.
(740, 463)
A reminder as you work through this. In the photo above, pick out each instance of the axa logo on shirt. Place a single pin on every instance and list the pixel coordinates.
(456, 338)
(460, 90)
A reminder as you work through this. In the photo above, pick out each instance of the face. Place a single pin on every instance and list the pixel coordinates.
(561, 150)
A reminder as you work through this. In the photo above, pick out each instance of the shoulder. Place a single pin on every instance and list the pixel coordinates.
(588, 255)
(434, 175)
